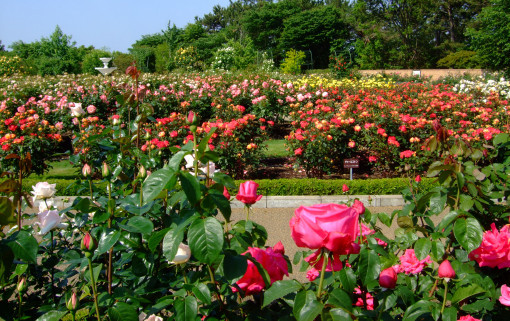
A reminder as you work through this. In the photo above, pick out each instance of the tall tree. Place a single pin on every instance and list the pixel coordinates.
(491, 36)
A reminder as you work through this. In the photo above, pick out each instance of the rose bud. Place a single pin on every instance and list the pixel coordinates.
(142, 172)
(106, 171)
(345, 188)
(226, 193)
(86, 171)
(183, 254)
(88, 244)
(248, 193)
(417, 179)
(388, 278)
(22, 285)
(72, 303)
(446, 271)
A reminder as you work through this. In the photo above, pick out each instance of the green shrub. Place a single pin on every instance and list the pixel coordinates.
(312, 186)
(91, 61)
(462, 59)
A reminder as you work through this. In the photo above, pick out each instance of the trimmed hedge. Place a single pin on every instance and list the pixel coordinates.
(287, 187)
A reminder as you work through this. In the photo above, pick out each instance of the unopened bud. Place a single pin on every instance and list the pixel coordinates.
(88, 244)
(86, 171)
(72, 302)
(22, 285)
(106, 171)
(142, 172)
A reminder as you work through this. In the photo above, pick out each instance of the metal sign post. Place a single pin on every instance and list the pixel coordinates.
(351, 163)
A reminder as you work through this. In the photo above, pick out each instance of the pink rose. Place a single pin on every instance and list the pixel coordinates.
(359, 207)
(505, 295)
(248, 193)
(345, 188)
(494, 250)
(316, 261)
(226, 193)
(326, 226)
(272, 261)
(91, 109)
(409, 263)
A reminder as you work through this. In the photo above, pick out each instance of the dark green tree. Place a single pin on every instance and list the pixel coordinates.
(490, 37)
(316, 30)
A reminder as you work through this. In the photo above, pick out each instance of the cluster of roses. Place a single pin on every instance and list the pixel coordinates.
(372, 120)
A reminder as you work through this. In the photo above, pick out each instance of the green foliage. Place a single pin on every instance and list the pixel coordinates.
(463, 59)
(91, 61)
(122, 60)
(293, 62)
(145, 58)
(490, 36)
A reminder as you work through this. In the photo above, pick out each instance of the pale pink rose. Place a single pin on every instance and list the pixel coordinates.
(43, 190)
(21, 109)
(76, 121)
(91, 109)
(59, 125)
(76, 109)
(409, 263)
(47, 110)
(49, 220)
(505, 295)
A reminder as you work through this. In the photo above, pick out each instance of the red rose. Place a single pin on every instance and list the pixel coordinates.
(445, 270)
(330, 226)
(248, 193)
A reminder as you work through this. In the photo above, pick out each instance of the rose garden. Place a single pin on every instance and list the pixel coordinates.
(150, 236)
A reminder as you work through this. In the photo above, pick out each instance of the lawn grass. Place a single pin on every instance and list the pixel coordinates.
(61, 169)
(276, 148)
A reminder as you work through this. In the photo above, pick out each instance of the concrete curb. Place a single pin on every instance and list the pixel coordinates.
(285, 201)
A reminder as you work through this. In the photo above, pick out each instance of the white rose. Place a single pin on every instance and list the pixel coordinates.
(43, 190)
(77, 111)
(152, 317)
(183, 254)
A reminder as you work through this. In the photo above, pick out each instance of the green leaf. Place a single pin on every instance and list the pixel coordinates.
(340, 299)
(405, 222)
(417, 310)
(205, 238)
(191, 187)
(468, 233)
(385, 219)
(437, 250)
(369, 266)
(501, 138)
(52, 315)
(6, 211)
(107, 240)
(438, 202)
(156, 238)
(306, 306)
(447, 220)
(24, 246)
(339, 315)
(449, 314)
(140, 224)
(176, 160)
(157, 182)
(222, 203)
(202, 292)
(466, 292)
(422, 248)
(6, 260)
(171, 242)
(234, 267)
(187, 309)
(123, 312)
(478, 175)
(348, 279)
(465, 202)
(279, 289)
(224, 180)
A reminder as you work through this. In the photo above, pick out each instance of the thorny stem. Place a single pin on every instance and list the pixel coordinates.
(20, 181)
(20, 300)
(110, 252)
(247, 212)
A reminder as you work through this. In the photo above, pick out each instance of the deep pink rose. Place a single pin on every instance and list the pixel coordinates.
(468, 318)
(316, 261)
(505, 295)
(330, 226)
(368, 303)
(494, 250)
(409, 263)
(274, 263)
(345, 188)
(445, 270)
(248, 193)
(226, 193)
(388, 278)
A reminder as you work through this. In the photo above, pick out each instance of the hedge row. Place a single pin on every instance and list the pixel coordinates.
(287, 187)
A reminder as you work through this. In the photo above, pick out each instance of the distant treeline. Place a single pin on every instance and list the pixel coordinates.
(364, 34)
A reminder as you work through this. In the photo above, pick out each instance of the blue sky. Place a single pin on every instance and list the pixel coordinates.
(105, 24)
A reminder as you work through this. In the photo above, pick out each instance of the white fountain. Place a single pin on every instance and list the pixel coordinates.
(105, 70)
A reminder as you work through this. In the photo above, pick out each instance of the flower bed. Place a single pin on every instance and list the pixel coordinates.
(154, 240)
